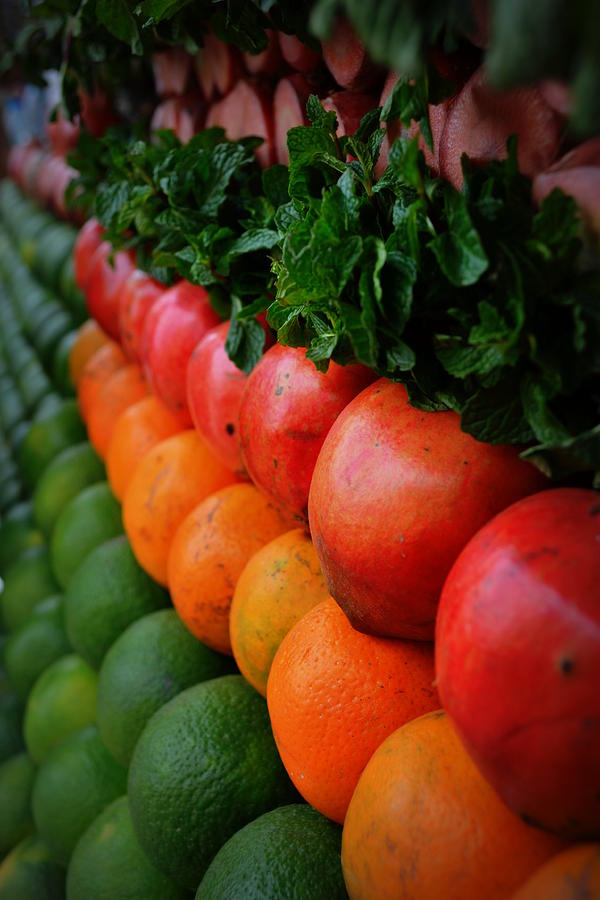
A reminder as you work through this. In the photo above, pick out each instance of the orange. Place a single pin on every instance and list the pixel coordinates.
(278, 586)
(138, 429)
(573, 874)
(90, 337)
(96, 372)
(209, 552)
(423, 824)
(334, 694)
(171, 479)
(123, 388)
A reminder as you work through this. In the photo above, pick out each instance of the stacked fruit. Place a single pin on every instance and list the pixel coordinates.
(152, 765)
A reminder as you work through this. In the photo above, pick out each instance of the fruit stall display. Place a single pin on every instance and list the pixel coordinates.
(300, 455)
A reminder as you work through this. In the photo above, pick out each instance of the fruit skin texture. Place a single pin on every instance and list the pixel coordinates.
(279, 584)
(124, 388)
(101, 365)
(395, 496)
(286, 411)
(214, 388)
(73, 785)
(104, 284)
(69, 472)
(62, 701)
(39, 641)
(16, 782)
(423, 824)
(518, 657)
(334, 694)
(173, 327)
(171, 479)
(137, 297)
(150, 663)
(28, 871)
(139, 428)
(292, 851)
(90, 338)
(205, 766)
(573, 874)
(108, 862)
(88, 520)
(107, 593)
(88, 240)
(208, 554)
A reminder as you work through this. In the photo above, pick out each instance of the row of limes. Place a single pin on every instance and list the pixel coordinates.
(92, 651)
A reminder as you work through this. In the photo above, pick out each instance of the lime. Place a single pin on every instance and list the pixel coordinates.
(61, 702)
(26, 582)
(69, 472)
(107, 593)
(205, 765)
(150, 663)
(88, 520)
(28, 873)
(16, 782)
(75, 782)
(48, 435)
(11, 725)
(288, 853)
(38, 642)
(109, 864)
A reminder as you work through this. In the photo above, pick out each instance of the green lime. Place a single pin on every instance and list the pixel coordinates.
(26, 582)
(48, 435)
(205, 765)
(16, 783)
(150, 663)
(35, 644)
(28, 873)
(17, 534)
(107, 593)
(60, 364)
(74, 783)
(11, 725)
(88, 520)
(69, 472)
(61, 702)
(109, 864)
(287, 854)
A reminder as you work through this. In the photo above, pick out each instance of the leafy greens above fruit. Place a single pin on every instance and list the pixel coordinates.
(475, 300)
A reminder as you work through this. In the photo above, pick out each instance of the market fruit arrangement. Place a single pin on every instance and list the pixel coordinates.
(283, 632)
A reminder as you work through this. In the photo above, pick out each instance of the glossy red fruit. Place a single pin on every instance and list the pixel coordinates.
(62, 133)
(287, 410)
(173, 327)
(518, 657)
(171, 69)
(347, 59)
(46, 177)
(214, 393)
(577, 174)
(298, 55)
(481, 119)
(289, 111)
(107, 274)
(218, 66)
(184, 116)
(137, 296)
(96, 111)
(64, 174)
(88, 240)
(396, 494)
(269, 61)
(247, 111)
(349, 107)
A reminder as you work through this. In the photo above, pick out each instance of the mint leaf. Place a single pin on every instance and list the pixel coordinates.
(459, 250)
